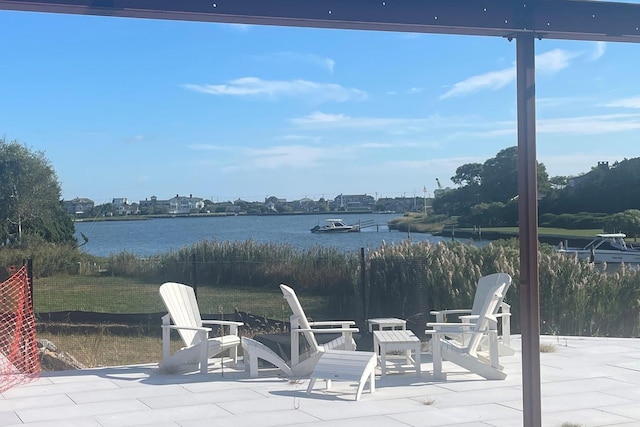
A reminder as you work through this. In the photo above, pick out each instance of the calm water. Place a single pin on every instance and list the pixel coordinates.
(150, 237)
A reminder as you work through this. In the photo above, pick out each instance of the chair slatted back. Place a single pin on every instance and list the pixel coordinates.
(182, 306)
(487, 313)
(298, 317)
(486, 285)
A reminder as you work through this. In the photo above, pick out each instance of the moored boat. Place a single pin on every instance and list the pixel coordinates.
(335, 225)
(607, 247)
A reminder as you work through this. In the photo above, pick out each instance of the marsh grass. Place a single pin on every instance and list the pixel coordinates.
(404, 280)
(104, 349)
(547, 348)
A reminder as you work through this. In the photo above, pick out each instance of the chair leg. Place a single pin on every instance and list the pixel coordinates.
(437, 356)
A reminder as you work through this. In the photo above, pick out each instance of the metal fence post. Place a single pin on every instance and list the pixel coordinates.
(363, 286)
(194, 277)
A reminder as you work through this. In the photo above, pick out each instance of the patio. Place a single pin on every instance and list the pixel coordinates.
(585, 381)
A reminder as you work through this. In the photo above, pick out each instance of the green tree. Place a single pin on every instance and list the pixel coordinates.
(30, 197)
(468, 174)
(627, 222)
(494, 184)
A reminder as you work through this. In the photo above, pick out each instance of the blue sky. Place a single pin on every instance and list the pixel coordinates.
(133, 108)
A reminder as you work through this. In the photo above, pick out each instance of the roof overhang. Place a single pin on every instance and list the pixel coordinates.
(549, 19)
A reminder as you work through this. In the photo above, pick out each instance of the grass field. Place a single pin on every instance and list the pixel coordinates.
(99, 346)
(103, 294)
(547, 231)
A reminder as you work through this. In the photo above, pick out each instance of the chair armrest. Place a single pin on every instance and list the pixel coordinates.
(189, 328)
(233, 326)
(452, 311)
(222, 322)
(327, 330)
(341, 323)
(468, 318)
(450, 328)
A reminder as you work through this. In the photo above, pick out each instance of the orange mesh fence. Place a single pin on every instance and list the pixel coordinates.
(19, 359)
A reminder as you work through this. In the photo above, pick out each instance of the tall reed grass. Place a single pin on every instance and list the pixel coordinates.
(402, 280)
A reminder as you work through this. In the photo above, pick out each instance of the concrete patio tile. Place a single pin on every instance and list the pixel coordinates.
(240, 383)
(47, 389)
(374, 421)
(465, 415)
(582, 385)
(579, 385)
(8, 418)
(574, 401)
(79, 411)
(187, 398)
(502, 395)
(632, 392)
(586, 417)
(631, 410)
(164, 415)
(52, 401)
(331, 409)
(75, 422)
(270, 419)
(120, 393)
(274, 403)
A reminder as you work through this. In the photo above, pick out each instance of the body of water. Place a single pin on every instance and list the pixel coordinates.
(155, 236)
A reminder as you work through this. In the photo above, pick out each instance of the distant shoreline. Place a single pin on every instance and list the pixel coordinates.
(209, 215)
(552, 239)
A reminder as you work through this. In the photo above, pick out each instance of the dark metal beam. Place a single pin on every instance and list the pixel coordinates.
(528, 231)
(551, 19)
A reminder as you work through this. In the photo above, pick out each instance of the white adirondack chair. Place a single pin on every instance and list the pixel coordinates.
(460, 342)
(184, 316)
(502, 311)
(301, 363)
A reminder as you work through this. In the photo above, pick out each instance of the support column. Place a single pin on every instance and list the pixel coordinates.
(528, 231)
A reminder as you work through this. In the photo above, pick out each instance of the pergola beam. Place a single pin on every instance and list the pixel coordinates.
(550, 19)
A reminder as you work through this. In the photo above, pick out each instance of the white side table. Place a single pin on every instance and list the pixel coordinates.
(397, 340)
(387, 323)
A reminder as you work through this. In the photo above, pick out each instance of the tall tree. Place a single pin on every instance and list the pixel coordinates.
(30, 197)
(468, 174)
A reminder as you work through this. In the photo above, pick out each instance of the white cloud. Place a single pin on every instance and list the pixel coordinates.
(492, 80)
(135, 138)
(239, 27)
(555, 60)
(253, 86)
(581, 125)
(633, 102)
(289, 57)
(590, 125)
(322, 120)
(324, 62)
(296, 137)
(207, 147)
(548, 62)
(292, 156)
(598, 51)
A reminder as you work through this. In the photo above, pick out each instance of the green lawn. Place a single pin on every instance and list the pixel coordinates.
(546, 231)
(103, 294)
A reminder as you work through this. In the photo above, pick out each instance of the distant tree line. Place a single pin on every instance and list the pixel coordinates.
(606, 197)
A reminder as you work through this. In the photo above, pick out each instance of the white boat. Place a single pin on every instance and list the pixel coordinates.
(609, 248)
(335, 225)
